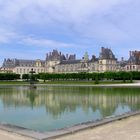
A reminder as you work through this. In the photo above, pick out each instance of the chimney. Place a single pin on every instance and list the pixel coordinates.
(102, 48)
(47, 55)
(130, 53)
(74, 56)
(67, 56)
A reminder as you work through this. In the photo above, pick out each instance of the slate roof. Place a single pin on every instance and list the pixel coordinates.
(10, 63)
(107, 53)
(123, 64)
(58, 56)
(134, 57)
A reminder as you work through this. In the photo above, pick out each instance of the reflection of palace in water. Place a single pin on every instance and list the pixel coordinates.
(58, 100)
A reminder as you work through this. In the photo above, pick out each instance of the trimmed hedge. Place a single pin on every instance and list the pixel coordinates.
(9, 76)
(91, 76)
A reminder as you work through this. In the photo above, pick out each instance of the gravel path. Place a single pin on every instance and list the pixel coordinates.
(11, 136)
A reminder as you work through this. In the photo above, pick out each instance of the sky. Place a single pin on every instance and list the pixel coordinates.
(31, 28)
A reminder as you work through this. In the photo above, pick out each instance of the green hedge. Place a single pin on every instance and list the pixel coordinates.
(91, 76)
(27, 77)
(9, 76)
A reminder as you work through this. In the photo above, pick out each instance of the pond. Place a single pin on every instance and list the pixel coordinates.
(53, 107)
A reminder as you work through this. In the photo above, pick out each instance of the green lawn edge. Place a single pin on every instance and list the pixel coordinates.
(65, 82)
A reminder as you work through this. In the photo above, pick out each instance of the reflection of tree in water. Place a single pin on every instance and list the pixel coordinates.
(59, 100)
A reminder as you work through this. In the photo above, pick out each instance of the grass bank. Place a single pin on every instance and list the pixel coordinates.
(84, 82)
(13, 82)
(64, 82)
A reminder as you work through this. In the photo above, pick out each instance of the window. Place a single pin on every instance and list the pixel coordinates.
(20, 70)
(17, 71)
(100, 62)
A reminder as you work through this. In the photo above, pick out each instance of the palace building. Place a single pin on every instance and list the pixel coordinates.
(20, 66)
(57, 62)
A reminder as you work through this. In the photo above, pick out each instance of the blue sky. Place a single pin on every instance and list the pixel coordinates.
(31, 28)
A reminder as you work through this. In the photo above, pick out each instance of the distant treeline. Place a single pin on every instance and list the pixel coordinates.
(134, 75)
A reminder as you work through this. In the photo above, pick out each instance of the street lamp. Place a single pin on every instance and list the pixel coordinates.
(32, 80)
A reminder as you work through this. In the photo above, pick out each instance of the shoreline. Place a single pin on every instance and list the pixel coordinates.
(81, 85)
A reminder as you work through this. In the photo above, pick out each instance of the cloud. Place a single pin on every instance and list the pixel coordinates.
(74, 10)
(47, 43)
(102, 20)
(7, 36)
(53, 23)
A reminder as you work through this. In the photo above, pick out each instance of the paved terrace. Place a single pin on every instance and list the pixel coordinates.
(127, 129)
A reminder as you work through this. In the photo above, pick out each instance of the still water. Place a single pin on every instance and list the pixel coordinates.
(52, 107)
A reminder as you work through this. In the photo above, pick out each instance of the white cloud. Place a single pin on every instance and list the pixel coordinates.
(6, 36)
(61, 10)
(47, 43)
(110, 21)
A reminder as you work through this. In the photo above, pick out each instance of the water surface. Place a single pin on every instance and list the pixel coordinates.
(52, 107)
